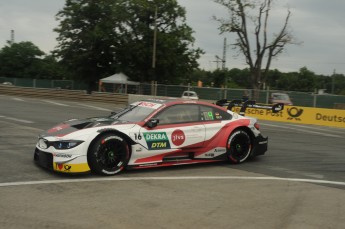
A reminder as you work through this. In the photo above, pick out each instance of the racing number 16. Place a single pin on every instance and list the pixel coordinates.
(137, 136)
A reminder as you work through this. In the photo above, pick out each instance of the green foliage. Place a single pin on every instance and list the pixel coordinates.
(50, 68)
(19, 60)
(99, 38)
(26, 60)
(304, 80)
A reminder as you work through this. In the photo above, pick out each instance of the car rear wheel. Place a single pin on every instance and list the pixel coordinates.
(108, 155)
(239, 146)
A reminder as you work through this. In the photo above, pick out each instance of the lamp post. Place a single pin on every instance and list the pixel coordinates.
(154, 41)
(154, 51)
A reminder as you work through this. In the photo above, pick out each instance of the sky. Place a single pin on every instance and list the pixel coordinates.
(318, 25)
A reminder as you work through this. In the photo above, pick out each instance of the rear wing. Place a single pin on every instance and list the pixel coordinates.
(275, 108)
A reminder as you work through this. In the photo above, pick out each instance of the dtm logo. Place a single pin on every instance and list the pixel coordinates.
(294, 113)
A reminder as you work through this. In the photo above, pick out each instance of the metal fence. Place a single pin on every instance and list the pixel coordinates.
(307, 99)
(44, 83)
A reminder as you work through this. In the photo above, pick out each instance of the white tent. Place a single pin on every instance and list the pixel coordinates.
(120, 79)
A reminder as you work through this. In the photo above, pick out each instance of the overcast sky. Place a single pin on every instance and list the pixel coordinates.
(319, 24)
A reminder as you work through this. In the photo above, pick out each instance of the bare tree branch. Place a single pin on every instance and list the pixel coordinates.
(240, 11)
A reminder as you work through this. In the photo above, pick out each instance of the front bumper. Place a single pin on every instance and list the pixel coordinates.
(260, 146)
(43, 159)
(54, 162)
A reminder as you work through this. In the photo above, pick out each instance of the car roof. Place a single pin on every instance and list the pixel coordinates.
(174, 101)
(278, 93)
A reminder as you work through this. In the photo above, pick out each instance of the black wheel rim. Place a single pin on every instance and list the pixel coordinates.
(240, 147)
(111, 155)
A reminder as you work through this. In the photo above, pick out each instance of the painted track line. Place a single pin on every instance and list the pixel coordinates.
(19, 126)
(17, 119)
(324, 129)
(56, 103)
(302, 130)
(18, 99)
(314, 181)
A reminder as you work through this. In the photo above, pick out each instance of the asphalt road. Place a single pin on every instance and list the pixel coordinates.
(299, 183)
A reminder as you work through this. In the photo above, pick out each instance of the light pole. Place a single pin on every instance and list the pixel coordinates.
(154, 52)
(154, 41)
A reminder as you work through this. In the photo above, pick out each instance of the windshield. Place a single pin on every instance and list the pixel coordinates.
(136, 112)
(281, 96)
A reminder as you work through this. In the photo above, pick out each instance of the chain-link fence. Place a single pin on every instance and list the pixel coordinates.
(307, 99)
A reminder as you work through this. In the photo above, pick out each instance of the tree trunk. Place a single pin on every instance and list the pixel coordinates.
(255, 82)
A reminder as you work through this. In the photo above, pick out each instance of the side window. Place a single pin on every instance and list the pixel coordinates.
(179, 114)
(210, 113)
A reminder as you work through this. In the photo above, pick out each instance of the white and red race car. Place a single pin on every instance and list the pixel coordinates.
(153, 133)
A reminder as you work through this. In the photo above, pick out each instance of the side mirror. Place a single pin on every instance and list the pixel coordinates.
(152, 123)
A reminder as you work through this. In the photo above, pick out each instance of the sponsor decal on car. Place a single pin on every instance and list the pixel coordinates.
(63, 167)
(62, 155)
(157, 140)
(207, 116)
(71, 168)
(58, 128)
(178, 137)
(150, 105)
(218, 116)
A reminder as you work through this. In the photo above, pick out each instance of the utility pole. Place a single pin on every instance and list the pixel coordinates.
(333, 79)
(12, 37)
(224, 54)
(154, 41)
(154, 82)
(218, 60)
(222, 60)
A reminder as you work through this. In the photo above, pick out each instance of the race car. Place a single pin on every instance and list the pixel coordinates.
(153, 133)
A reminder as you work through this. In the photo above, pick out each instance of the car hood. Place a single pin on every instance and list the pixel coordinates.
(73, 125)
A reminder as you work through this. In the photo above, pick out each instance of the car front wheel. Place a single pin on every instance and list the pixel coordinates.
(108, 155)
(239, 146)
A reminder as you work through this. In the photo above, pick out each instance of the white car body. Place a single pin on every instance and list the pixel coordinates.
(207, 137)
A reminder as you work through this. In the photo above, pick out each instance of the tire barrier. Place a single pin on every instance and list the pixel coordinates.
(63, 94)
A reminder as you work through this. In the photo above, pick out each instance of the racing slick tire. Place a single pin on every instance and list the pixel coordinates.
(108, 155)
(239, 146)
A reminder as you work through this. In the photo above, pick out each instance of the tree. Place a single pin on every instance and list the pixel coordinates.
(86, 37)
(258, 59)
(98, 38)
(175, 57)
(50, 68)
(20, 60)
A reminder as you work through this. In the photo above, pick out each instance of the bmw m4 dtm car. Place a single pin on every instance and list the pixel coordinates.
(153, 133)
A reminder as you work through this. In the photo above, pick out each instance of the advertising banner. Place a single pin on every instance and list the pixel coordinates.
(303, 115)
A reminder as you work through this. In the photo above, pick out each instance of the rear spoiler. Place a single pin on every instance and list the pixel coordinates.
(275, 108)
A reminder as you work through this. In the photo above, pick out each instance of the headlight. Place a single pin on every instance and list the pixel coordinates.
(42, 143)
(66, 144)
